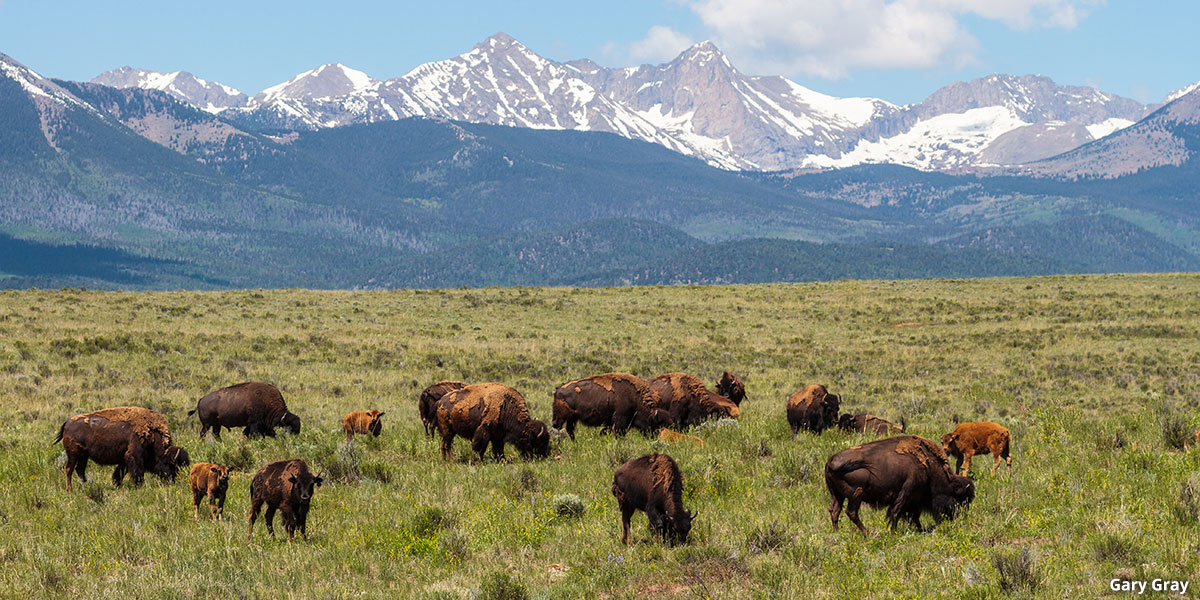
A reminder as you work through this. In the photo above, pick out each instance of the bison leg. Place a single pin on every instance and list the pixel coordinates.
(220, 508)
(619, 425)
(118, 475)
(852, 509)
(497, 449)
(966, 462)
(302, 520)
(626, 515)
(571, 428)
(197, 496)
(289, 521)
(835, 511)
(657, 523)
(896, 510)
(270, 516)
(216, 431)
(447, 442)
(996, 463)
(203, 429)
(255, 506)
(480, 441)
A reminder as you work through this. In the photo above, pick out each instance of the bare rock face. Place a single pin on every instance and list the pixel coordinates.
(1034, 142)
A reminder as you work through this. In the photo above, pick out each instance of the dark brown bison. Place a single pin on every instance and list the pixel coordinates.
(907, 474)
(286, 485)
(207, 479)
(689, 402)
(256, 406)
(653, 484)
(983, 437)
(490, 413)
(427, 403)
(868, 423)
(134, 439)
(812, 408)
(362, 421)
(730, 386)
(616, 401)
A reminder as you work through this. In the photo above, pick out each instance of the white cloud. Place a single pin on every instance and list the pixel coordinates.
(660, 45)
(831, 39)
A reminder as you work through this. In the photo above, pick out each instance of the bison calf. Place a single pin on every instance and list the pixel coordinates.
(364, 422)
(654, 485)
(288, 486)
(209, 480)
(983, 437)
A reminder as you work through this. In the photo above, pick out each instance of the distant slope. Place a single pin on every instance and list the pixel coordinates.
(1099, 243)
(763, 260)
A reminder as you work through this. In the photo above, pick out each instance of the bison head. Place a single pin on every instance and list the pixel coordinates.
(534, 439)
(375, 426)
(948, 442)
(959, 495)
(652, 420)
(221, 472)
(846, 422)
(168, 464)
(730, 386)
(290, 422)
(677, 527)
(304, 485)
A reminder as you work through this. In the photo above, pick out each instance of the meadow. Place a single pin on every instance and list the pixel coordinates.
(1097, 377)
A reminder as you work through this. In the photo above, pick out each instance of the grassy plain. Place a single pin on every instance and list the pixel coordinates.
(1088, 372)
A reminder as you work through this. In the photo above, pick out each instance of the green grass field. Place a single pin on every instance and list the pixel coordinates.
(1097, 377)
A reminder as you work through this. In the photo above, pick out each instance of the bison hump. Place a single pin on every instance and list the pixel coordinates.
(922, 449)
(146, 424)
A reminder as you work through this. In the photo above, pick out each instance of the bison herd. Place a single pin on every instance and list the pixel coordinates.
(906, 474)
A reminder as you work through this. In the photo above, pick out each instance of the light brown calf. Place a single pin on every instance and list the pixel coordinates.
(209, 480)
(362, 421)
(983, 437)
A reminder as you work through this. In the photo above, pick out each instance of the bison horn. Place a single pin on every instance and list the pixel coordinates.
(177, 451)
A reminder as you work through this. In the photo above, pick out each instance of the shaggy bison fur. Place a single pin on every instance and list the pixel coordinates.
(256, 406)
(427, 403)
(653, 484)
(134, 439)
(490, 413)
(689, 402)
(730, 386)
(615, 401)
(288, 486)
(983, 437)
(812, 408)
(868, 423)
(362, 421)
(207, 479)
(907, 474)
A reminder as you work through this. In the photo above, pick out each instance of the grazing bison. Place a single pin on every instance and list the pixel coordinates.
(490, 413)
(256, 406)
(730, 386)
(286, 485)
(689, 402)
(867, 423)
(907, 474)
(364, 422)
(207, 479)
(653, 484)
(616, 401)
(812, 408)
(983, 437)
(134, 439)
(427, 403)
(668, 436)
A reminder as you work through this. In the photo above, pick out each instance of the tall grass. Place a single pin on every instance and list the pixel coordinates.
(1076, 367)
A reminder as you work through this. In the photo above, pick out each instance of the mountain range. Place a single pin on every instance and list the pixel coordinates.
(521, 170)
(698, 104)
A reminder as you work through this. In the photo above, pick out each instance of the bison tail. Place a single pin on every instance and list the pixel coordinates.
(193, 411)
(903, 424)
(850, 465)
(60, 434)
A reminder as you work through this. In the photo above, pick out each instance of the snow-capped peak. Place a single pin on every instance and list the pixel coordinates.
(1181, 92)
(325, 81)
(207, 95)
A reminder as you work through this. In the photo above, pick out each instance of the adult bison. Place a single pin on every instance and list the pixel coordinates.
(427, 403)
(288, 486)
(730, 386)
(868, 423)
(256, 406)
(653, 484)
(490, 413)
(689, 402)
(134, 439)
(616, 401)
(982, 437)
(907, 474)
(812, 408)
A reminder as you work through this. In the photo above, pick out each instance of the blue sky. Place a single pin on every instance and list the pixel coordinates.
(898, 50)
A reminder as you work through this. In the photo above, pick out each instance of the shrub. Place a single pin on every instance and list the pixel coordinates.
(430, 520)
(1187, 506)
(1018, 571)
(568, 506)
(500, 586)
(94, 492)
(343, 466)
(768, 538)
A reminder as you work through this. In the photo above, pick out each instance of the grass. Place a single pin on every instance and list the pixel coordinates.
(1080, 369)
